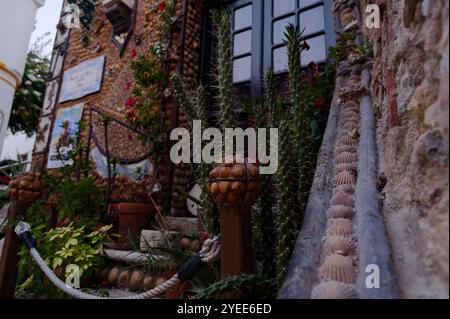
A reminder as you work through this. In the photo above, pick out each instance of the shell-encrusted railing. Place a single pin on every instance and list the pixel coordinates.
(346, 218)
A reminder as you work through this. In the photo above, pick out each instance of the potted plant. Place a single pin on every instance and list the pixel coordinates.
(133, 218)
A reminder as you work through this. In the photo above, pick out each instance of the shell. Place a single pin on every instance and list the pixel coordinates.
(345, 178)
(347, 139)
(342, 199)
(224, 187)
(224, 172)
(113, 275)
(345, 167)
(350, 112)
(350, 116)
(350, 126)
(346, 148)
(123, 279)
(340, 211)
(348, 189)
(253, 170)
(136, 280)
(238, 171)
(339, 245)
(346, 158)
(338, 268)
(340, 227)
(350, 105)
(334, 290)
(215, 172)
(148, 283)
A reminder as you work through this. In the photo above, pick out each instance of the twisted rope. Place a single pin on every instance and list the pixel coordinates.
(209, 253)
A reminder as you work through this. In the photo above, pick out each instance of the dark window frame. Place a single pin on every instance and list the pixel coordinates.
(328, 31)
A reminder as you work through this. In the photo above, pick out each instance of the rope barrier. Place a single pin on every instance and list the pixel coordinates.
(209, 253)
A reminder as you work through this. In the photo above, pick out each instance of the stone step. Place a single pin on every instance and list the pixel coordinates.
(186, 226)
(130, 257)
(156, 239)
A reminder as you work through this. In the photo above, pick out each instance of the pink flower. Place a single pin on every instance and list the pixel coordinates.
(131, 102)
(133, 54)
(127, 87)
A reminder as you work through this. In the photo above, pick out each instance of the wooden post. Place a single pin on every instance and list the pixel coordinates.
(234, 188)
(235, 249)
(11, 246)
(23, 191)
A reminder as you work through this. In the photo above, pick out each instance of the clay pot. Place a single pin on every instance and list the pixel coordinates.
(133, 218)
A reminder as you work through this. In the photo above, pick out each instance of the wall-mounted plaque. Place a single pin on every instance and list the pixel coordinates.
(42, 134)
(51, 93)
(64, 130)
(82, 80)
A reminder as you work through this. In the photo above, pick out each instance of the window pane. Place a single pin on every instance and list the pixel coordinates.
(281, 7)
(243, 18)
(279, 27)
(305, 3)
(242, 69)
(280, 60)
(312, 20)
(243, 42)
(317, 52)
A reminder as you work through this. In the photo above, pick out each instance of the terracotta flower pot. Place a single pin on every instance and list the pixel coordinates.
(133, 218)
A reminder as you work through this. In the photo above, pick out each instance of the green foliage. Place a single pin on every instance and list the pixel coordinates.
(224, 68)
(339, 53)
(259, 287)
(29, 97)
(59, 248)
(78, 201)
(150, 84)
(195, 107)
(366, 49)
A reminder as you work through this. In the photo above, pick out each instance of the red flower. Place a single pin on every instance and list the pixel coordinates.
(133, 54)
(130, 137)
(312, 82)
(127, 86)
(318, 103)
(305, 46)
(131, 114)
(203, 236)
(104, 284)
(4, 179)
(162, 7)
(131, 102)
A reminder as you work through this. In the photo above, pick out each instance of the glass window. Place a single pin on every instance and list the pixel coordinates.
(306, 3)
(242, 43)
(317, 52)
(281, 7)
(279, 27)
(243, 18)
(242, 69)
(312, 21)
(280, 59)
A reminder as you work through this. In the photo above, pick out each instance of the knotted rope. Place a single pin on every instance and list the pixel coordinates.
(209, 253)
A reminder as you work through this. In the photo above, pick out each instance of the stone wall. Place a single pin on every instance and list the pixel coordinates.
(410, 95)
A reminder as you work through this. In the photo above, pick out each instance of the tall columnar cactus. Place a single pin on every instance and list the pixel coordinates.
(224, 67)
(286, 214)
(195, 108)
(303, 146)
